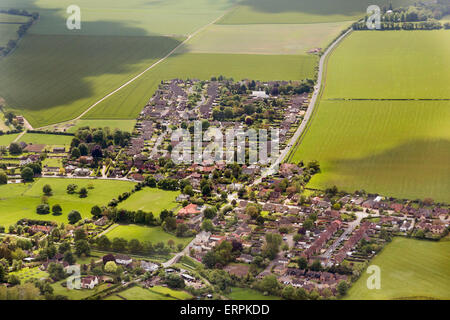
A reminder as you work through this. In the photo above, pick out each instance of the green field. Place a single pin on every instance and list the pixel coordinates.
(305, 11)
(151, 200)
(390, 65)
(393, 147)
(38, 82)
(181, 295)
(249, 294)
(6, 139)
(410, 269)
(48, 139)
(265, 38)
(4, 17)
(129, 101)
(19, 201)
(124, 18)
(397, 148)
(139, 293)
(124, 125)
(8, 32)
(142, 233)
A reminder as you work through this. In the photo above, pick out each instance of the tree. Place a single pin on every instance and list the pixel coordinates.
(82, 247)
(110, 267)
(75, 153)
(13, 280)
(47, 189)
(181, 230)
(71, 188)
(69, 258)
(3, 178)
(74, 216)
(64, 247)
(15, 148)
(27, 174)
(103, 243)
(342, 288)
(96, 211)
(207, 225)
(316, 266)
(83, 192)
(269, 284)
(43, 209)
(56, 271)
(56, 210)
(210, 212)
(175, 281)
(80, 234)
(302, 263)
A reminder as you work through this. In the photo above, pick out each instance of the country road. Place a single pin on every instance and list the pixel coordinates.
(312, 104)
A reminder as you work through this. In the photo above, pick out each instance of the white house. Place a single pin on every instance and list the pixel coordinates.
(123, 259)
(89, 282)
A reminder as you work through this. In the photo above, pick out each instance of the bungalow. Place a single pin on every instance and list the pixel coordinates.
(149, 266)
(190, 209)
(246, 258)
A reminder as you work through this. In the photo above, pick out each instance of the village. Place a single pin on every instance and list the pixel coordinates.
(227, 227)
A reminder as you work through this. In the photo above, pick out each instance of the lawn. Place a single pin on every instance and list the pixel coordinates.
(396, 148)
(305, 11)
(3, 126)
(410, 269)
(76, 294)
(38, 82)
(139, 293)
(47, 139)
(249, 294)
(6, 139)
(151, 200)
(401, 65)
(265, 38)
(19, 201)
(25, 274)
(142, 233)
(129, 101)
(7, 32)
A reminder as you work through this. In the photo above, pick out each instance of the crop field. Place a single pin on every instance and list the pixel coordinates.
(151, 200)
(248, 294)
(129, 101)
(7, 32)
(305, 11)
(410, 269)
(397, 148)
(130, 18)
(393, 147)
(6, 139)
(48, 139)
(390, 65)
(4, 17)
(143, 233)
(20, 200)
(265, 38)
(51, 79)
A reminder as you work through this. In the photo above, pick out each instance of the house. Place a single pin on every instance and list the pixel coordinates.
(89, 282)
(81, 172)
(183, 197)
(149, 266)
(246, 258)
(190, 209)
(123, 259)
